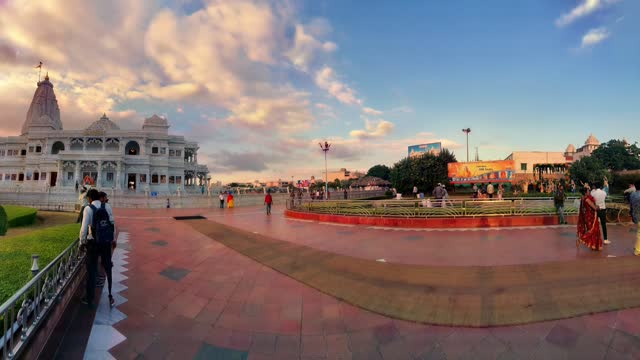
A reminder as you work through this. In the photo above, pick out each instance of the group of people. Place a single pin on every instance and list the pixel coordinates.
(229, 197)
(98, 240)
(488, 191)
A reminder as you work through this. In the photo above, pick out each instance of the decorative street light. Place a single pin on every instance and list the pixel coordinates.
(325, 148)
(467, 131)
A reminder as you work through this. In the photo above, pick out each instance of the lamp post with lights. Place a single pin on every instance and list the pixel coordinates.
(325, 148)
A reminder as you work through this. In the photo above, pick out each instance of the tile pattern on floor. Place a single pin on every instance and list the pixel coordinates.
(103, 335)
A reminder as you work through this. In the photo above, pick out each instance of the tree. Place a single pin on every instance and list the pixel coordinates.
(617, 155)
(424, 171)
(588, 170)
(381, 171)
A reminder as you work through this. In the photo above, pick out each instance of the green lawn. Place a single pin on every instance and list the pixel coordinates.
(16, 251)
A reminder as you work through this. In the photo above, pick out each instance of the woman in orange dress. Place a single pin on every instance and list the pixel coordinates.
(588, 222)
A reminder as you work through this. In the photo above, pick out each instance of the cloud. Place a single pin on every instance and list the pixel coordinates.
(306, 48)
(227, 54)
(594, 36)
(585, 8)
(370, 111)
(226, 161)
(326, 79)
(373, 129)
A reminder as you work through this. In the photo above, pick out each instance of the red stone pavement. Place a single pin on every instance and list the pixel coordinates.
(227, 301)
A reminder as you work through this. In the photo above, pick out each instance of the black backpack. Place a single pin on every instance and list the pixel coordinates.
(101, 228)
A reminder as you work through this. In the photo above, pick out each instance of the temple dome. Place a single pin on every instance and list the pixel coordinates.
(570, 149)
(44, 113)
(591, 140)
(103, 124)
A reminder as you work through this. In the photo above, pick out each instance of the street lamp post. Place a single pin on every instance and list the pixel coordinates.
(467, 131)
(325, 149)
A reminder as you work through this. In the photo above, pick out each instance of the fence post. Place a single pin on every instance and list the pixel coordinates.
(35, 267)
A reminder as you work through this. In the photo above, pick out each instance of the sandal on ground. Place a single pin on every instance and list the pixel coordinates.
(111, 301)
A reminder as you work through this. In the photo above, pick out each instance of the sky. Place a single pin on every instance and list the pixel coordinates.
(259, 83)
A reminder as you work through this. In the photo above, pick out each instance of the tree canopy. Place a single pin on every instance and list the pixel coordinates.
(617, 155)
(424, 171)
(588, 170)
(381, 171)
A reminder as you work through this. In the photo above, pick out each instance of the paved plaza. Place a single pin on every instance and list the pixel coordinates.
(186, 296)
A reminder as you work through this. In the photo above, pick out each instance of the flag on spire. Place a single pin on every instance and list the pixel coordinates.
(39, 65)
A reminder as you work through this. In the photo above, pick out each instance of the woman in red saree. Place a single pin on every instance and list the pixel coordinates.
(588, 222)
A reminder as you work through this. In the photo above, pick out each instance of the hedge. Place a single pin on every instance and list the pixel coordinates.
(15, 254)
(19, 215)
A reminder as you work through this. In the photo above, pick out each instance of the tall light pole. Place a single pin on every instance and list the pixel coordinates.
(325, 148)
(467, 131)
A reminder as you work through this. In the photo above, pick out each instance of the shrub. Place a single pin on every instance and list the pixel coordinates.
(4, 221)
(20, 215)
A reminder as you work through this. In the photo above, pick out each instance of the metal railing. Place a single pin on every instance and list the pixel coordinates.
(22, 315)
(428, 208)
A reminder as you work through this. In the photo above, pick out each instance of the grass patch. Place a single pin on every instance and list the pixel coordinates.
(16, 251)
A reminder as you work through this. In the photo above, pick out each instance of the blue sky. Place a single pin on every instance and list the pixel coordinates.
(259, 83)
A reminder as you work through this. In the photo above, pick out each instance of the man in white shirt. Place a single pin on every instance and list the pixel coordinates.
(91, 257)
(600, 196)
(105, 251)
(221, 198)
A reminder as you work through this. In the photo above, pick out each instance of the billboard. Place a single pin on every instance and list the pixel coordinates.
(481, 171)
(432, 148)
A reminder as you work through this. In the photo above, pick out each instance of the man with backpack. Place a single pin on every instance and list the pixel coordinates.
(105, 248)
(96, 239)
(88, 245)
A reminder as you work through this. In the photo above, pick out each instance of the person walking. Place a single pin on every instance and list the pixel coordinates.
(438, 193)
(106, 245)
(415, 191)
(346, 194)
(268, 200)
(88, 245)
(558, 200)
(600, 196)
(230, 200)
(634, 199)
(588, 228)
(221, 197)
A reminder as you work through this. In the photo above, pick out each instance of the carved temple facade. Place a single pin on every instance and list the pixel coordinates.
(45, 157)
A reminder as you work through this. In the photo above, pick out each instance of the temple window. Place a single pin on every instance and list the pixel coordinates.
(57, 147)
(30, 149)
(154, 178)
(154, 150)
(38, 149)
(23, 152)
(163, 179)
(132, 148)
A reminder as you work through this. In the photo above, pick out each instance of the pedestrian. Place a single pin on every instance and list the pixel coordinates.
(268, 200)
(168, 204)
(627, 196)
(558, 200)
(77, 186)
(634, 199)
(415, 191)
(221, 197)
(106, 247)
(346, 194)
(490, 190)
(474, 188)
(230, 200)
(605, 187)
(588, 229)
(600, 196)
(500, 191)
(87, 240)
(438, 193)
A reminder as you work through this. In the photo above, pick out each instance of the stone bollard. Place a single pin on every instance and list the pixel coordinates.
(35, 267)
